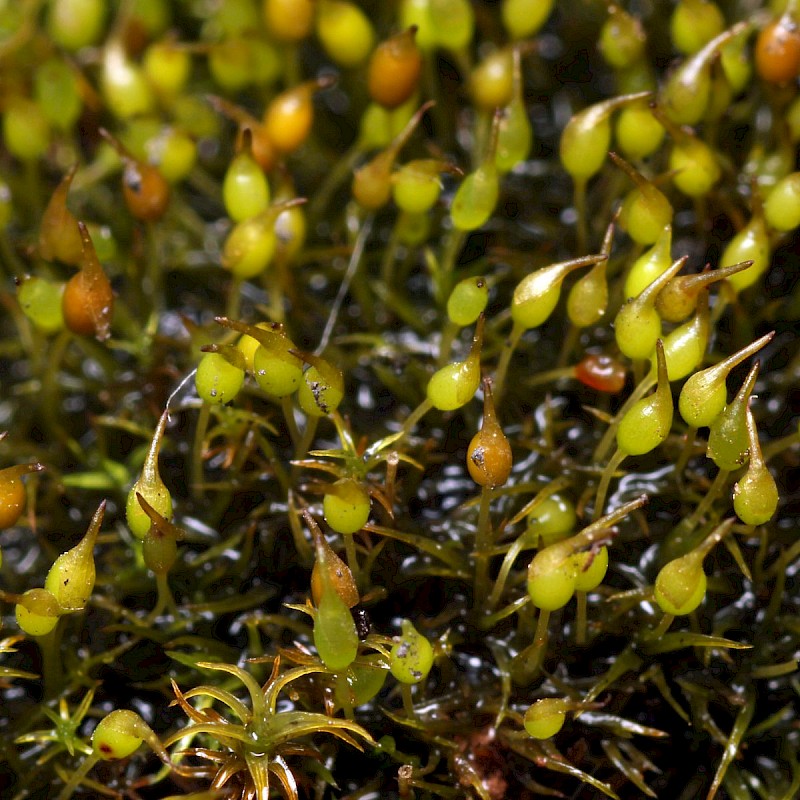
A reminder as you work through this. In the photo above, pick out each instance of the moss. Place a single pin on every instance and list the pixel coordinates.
(217, 652)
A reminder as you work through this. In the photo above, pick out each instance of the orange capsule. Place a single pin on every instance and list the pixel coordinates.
(777, 52)
(394, 69)
(145, 189)
(12, 492)
(489, 457)
(88, 301)
(288, 118)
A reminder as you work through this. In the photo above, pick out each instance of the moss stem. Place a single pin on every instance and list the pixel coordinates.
(605, 480)
(483, 545)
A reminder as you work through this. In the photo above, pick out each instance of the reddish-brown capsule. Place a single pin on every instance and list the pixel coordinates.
(394, 69)
(145, 189)
(489, 454)
(88, 301)
(600, 372)
(777, 51)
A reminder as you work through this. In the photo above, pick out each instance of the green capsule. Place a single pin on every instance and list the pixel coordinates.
(245, 191)
(755, 495)
(638, 133)
(650, 265)
(545, 718)
(476, 197)
(694, 23)
(150, 486)
(523, 18)
(335, 635)
(622, 38)
(40, 301)
(71, 578)
(452, 23)
(728, 436)
(411, 657)
(648, 422)
(704, 394)
(217, 380)
(782, 207)
(454, 385)
(637, 325)
(750, 244)
(57, 91)
(536, 295)
(467, 301)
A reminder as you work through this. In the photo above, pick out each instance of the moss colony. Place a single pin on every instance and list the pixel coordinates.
(399, 399)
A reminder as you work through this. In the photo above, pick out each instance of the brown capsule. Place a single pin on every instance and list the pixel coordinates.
(59, 238)
(329, 571)
(777, 51)
(88, 300)
(394, 69)
(489, 457)
(145, 189)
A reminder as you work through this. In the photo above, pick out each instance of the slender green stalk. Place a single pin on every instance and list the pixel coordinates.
(509, 346)
(581, 223)
(415, 416)
(639, 391)
(198, 447)
(580, 617)
(80, 773)
(52, 666)
(605, 480)
(483, 545)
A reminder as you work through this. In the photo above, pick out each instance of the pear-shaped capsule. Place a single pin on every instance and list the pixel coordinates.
(329, 571)
(694, 23)
(88, 300)
(523, 18)
(647, 423)
(220, 374)
(71, 578)
(12, 492)
(553, 570)
(245, 191)
(777, 51)
(416, 185)
(704, 394)
(467, 301)
(685, 346)
(681, 583)
(637, 132)
(650, 265)
(679, 297)
(160, 543)
(782, 207)
(346, 505)
(489, 456)
(411, 656)
(637, 324)
(622, 38)
(289, 116)
(686, 94)
(322, 388)
(749, 244)
(587, 136)
(251, 244)
(536, 295)
(394, 70)
(588, 298)
(728, 437)
(552, 520)
(145, 190)
(645, 211)
(546, 717)
(755, 495)
(120, 734)
(150, 485)
(59, 237)
(695, 166)
(335, 592)
(455, 384)
(37, 612)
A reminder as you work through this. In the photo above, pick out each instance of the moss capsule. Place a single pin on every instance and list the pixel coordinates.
(394, 70)
(411, 657)
(755, 495)
(489, 456)
(88, 300)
